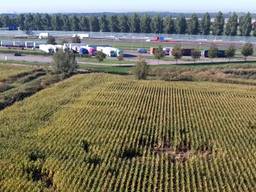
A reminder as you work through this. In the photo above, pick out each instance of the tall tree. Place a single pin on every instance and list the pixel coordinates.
(46, 22)
(114, 23)
(169, 25)
(145, 24)
(232, 24)
(247, 50)
(254, 29)
(230, 52)
(20, 21)
(84, 24)
(66, 23)
(157, 24)
(37, 22)
(245, 25)
(124, 24)
(1, 23)
(29, 22)
(141, 69)
(94, 24)
(181, 25)
(177, 52)
(5, 19)
(104, 24)
(135, 23)
(206, 24)
(56, 22)
(218, 24)
(74, 23)
(193, 25)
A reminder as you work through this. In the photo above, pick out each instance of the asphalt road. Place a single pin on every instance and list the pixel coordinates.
(27, 58)
(48, 59)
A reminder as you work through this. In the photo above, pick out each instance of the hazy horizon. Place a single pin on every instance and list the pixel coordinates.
(97, 6)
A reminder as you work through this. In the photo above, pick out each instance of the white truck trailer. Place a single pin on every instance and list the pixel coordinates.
(43, 35)
(48, 48)
(110, 51)
(81, 35)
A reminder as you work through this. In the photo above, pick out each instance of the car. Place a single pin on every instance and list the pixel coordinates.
(142, 50)
(17, 54)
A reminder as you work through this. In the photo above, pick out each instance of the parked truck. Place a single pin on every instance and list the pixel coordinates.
(110, 51)
(220, 53)
(43, 35)
(49, 48)
(81, 35)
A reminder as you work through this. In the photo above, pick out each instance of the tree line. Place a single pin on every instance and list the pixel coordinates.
(136, 23)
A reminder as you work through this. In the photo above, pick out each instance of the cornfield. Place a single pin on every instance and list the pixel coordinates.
(112, 133)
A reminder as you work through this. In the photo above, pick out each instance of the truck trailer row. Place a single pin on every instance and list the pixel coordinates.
(185, 52)
(82, 50)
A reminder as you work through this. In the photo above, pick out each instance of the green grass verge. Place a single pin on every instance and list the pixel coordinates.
(25, 51)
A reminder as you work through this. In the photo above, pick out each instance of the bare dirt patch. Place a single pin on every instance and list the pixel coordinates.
(183, 151)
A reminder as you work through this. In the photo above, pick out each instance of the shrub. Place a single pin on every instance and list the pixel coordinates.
(64, 62)
(130, 153)
(141, 69)
(175, 75)
(120, 58)
(230, 52)
(34, 171)
(100, 56)
(213, 51)
(247, 50)
(64, 42)
(159, 53)
(76, 39)
(51, 79)
(36, 155)
(51, 40)
(85, 145)
(93, 159)
(177, 52)
(196, 54)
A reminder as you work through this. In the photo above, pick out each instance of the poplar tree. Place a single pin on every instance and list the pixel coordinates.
(245, 25)
(218, 24)
(124, 24)
(231, 26)
(193, 25)
(104, 24)
(114, 24)
(157, 24)
(206, 24)
(169, 25)
(145, 24)
(94, 24)
(181, 25)
(135, 24)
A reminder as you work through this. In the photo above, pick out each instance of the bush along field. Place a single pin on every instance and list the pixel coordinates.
(101, 132)
(229, 73)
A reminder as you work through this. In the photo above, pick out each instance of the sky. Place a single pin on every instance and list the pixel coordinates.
(57, 6)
